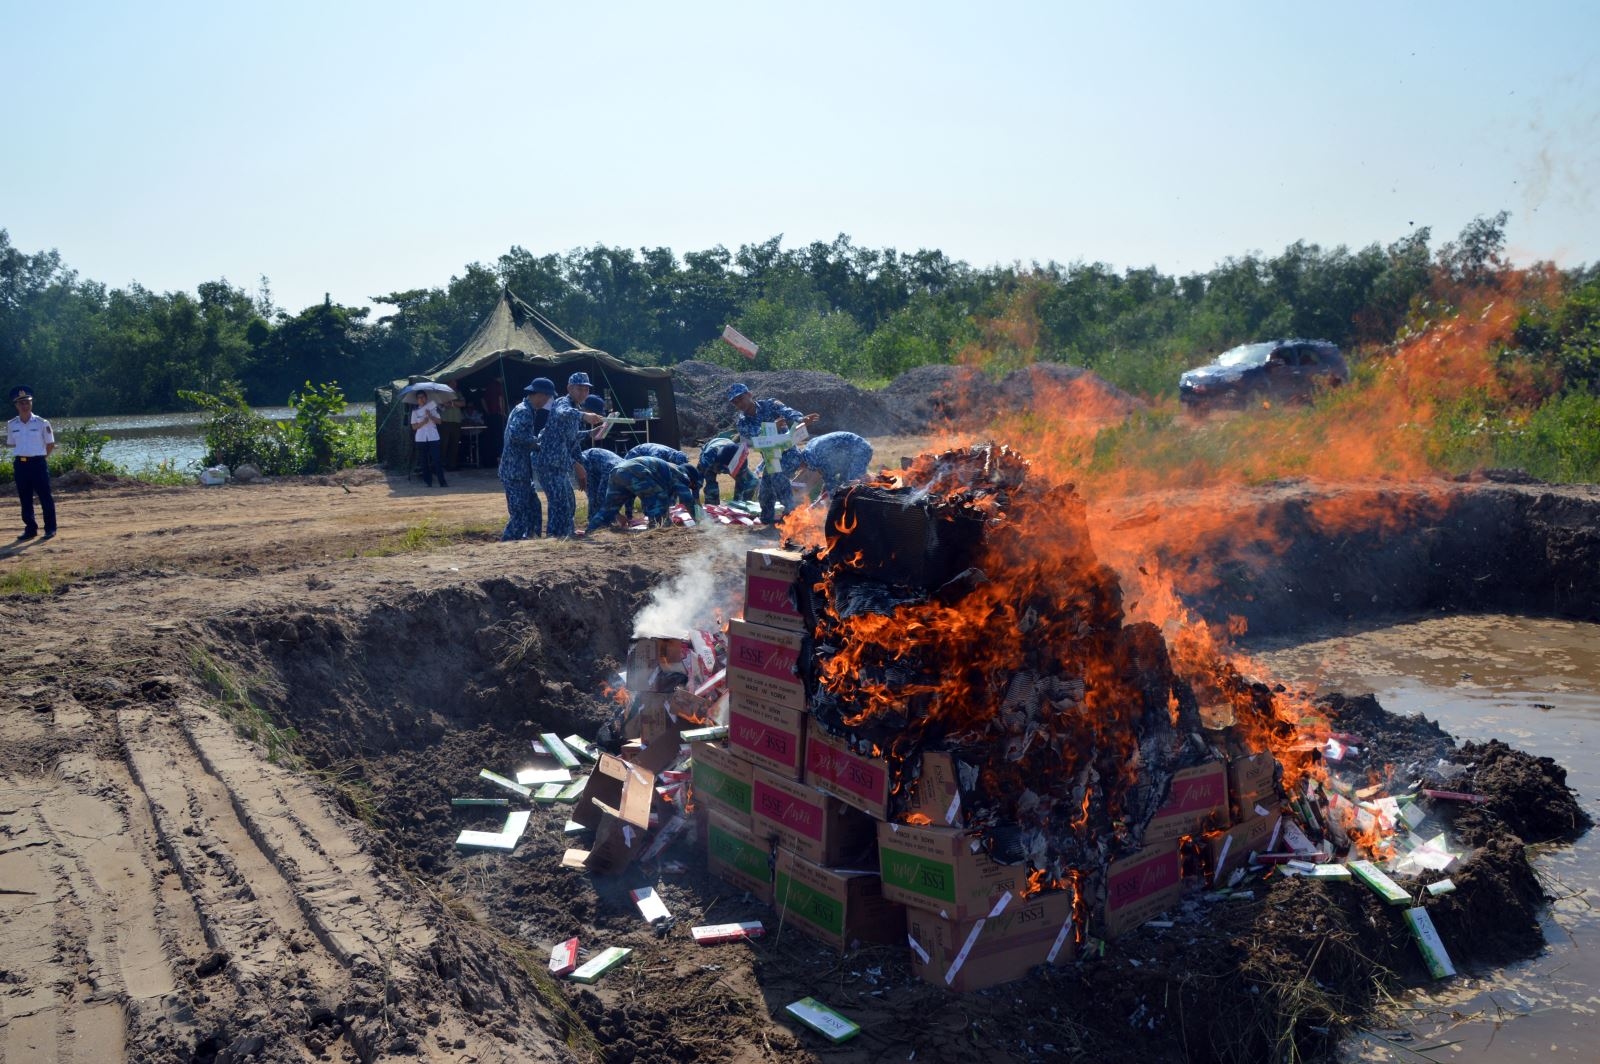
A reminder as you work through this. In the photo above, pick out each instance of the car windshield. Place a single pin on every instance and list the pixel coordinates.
(1246, 355)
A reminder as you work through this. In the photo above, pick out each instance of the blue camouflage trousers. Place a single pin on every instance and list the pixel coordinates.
(561, 500)
(522, 503)
(775, 489)
(745, 487)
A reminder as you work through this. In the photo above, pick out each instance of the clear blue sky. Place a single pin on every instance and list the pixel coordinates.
(357, 149)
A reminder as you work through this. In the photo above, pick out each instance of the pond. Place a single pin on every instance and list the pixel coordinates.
(1536, 685)
(142, 441)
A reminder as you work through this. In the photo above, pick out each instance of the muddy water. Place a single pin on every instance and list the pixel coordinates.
(1536, 685)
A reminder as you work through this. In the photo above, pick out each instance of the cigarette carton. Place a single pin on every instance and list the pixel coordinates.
(1142, 885)
(564, 957)
(1381, 884)
(558, 749)
(815, 825)
(837, 906)
(936, 793)
(1429, 942)
(820, 1018)
(769, 592)
(767, 734)
(600, 964)
(736, 855)
(1017, 935)
(1198, 798)
(942, 870)
(857, 779)
(721, 781)
(711, 934)
(762, 662)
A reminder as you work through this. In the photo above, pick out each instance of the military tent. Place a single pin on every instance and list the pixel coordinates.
(511, 346)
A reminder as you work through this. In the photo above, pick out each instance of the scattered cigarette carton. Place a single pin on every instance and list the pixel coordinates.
(825, 1021)
(577, 860)
(564, 957)
(499, 780)
(704, 735)
(504, 839)
(1443, 886)
(582, 747)
(574, 828)
(1381, 885)
(538, 777)
(651, 907)
(570, 792)
(1329, 871)
(600, 964)
(711, 934)
(548, 793)
(1429, 942)
(559, 749)
(480, 803)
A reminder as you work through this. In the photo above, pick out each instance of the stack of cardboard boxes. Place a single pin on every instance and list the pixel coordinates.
(800, 819)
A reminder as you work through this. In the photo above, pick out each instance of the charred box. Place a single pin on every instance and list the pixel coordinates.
(902, 536)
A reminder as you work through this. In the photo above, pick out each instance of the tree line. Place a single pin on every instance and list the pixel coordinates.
(868, 314)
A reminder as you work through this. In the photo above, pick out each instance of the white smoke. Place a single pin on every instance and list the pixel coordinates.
(709, 579)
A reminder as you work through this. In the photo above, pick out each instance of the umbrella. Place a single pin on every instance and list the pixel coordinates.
(427, 386)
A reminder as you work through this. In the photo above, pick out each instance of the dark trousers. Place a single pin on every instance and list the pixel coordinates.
(33, 478)
(428, 457)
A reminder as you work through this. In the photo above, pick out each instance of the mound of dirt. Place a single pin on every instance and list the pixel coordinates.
(1527, 795)
(700, 390)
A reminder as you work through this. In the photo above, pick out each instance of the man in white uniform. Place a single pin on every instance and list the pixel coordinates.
(31, 440)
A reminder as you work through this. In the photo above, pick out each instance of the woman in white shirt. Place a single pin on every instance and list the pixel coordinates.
(425, 421)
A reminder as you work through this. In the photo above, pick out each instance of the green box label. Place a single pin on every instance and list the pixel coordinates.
(920, 875)
(719, 786)
(811, 905)
(736, 853)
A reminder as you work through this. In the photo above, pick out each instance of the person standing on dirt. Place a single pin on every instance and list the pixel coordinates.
(450, 407)
(425, 421)
(31, 441)
(552, 455)
(655, 482)
(523, 425)
(716, 457)
(753, 414)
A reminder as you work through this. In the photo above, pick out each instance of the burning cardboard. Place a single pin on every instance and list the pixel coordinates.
(1140, 886)
(769, 597)
(861, 780)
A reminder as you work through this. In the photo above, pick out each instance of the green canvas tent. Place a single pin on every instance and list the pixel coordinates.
(511, 346)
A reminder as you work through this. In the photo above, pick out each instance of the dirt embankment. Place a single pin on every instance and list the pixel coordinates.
(173, 895)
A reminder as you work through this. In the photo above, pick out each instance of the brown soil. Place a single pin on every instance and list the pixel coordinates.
(174, 890)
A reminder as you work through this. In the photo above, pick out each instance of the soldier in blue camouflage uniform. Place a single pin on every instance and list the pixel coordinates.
(715, 457)
(753, 413)
(658, 450)
(597, 464)
(655, 482)
(516, 463)
(839, 458)
(552, 458)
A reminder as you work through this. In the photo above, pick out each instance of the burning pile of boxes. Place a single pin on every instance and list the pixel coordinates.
(853, 848)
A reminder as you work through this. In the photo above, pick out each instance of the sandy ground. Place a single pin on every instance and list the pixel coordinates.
(168, 893)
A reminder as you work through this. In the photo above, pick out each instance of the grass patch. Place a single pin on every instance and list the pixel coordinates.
(425, 535)
(351, 790)
(21, 583)
(235, 698)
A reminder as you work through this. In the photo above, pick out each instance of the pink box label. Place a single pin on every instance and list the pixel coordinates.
(861, 777)
(763, 739)
(1128, 885)
(787, 811)
(765, 593)
(768, 659)
(1197, 794)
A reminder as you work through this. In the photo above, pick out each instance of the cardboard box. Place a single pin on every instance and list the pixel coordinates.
(857, 779)
(1197, 800)
(734, 854)
(721, 781)
(937, 869)
(837, 906)
(767, 734)
(935, 793)
(762, 662)
(985, 951)
(1252, 779)
(815, 825)
(769, 596)
(1231, 849)
(616, 803)
(1141, 886)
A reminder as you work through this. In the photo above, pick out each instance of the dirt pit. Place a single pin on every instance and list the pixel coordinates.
(404, 704)
(228, 741)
